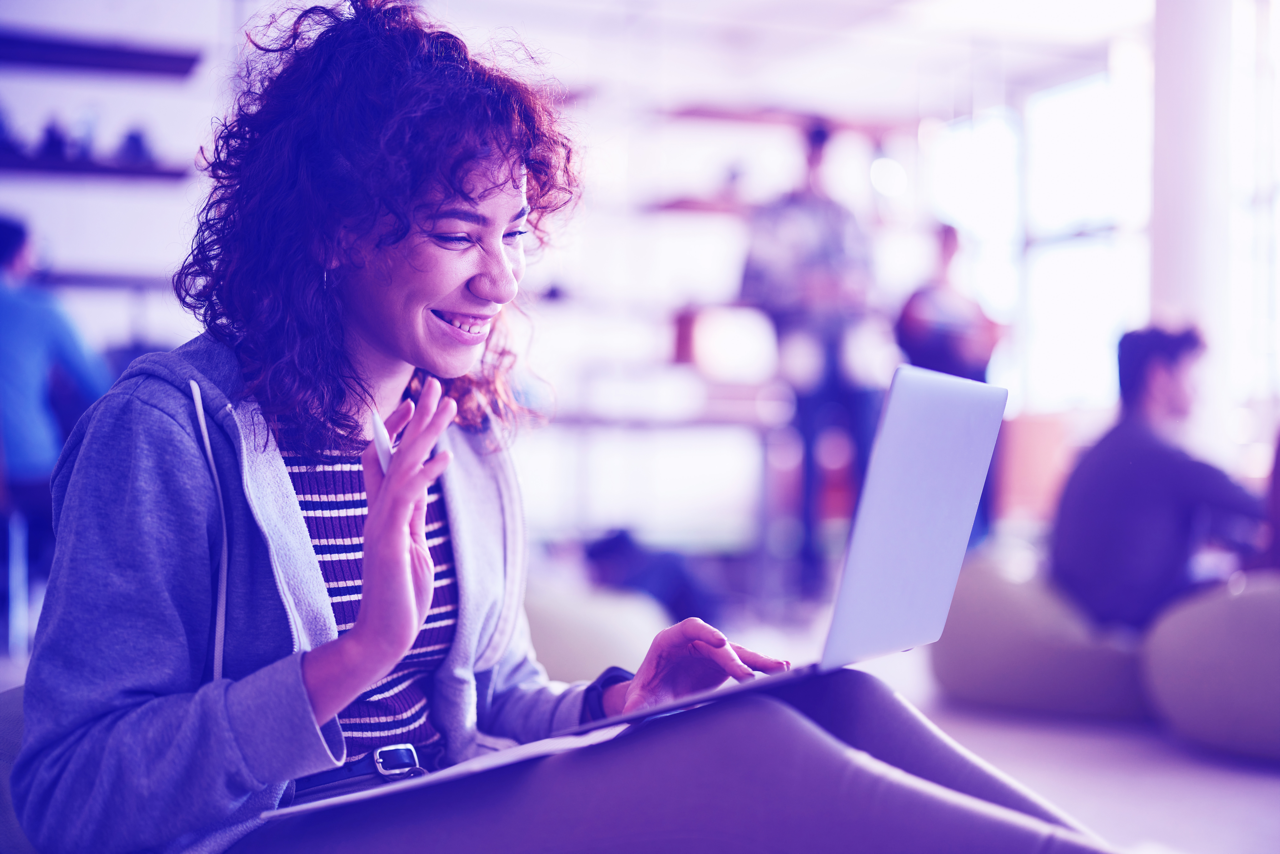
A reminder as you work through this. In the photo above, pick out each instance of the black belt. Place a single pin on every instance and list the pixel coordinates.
(392, 762)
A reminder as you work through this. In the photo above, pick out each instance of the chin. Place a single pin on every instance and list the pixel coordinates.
(449, 369)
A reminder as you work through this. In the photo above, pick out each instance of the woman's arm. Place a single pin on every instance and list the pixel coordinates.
(398, 574)
(127, 746)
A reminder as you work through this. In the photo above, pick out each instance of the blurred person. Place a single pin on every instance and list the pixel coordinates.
(808, 267)
(1137, 507)
(257, 596)
(618, 561)
(36, 339)
(943, 330)
(940, 328)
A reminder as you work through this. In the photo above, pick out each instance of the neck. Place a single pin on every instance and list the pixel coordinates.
(1164, 425)
(386, 385)
(383, 375)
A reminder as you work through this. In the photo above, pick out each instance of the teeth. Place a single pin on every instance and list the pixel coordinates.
(466, 325)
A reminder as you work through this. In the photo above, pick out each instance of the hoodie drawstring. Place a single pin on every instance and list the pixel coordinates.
(220, 625)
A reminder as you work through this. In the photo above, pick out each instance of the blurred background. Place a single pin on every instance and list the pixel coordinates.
(1102, 165)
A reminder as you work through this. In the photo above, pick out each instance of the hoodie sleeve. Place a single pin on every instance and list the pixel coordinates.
(127, 746)
(525, 705)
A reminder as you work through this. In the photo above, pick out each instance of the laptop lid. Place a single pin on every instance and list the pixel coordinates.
(924, 478)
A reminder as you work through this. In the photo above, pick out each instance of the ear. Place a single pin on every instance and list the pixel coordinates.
(350, 248)
(1158, 379)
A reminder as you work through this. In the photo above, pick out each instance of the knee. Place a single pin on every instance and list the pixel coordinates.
(755, 719)
(758, 712)
(847, 682)
(842, 689)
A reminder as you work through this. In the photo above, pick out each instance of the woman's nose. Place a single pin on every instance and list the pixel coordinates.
(499, 279)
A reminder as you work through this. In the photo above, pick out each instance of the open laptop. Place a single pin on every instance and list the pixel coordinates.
(927, 468)
(928, 464)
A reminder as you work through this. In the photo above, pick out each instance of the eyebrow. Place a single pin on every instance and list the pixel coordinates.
(473, 217)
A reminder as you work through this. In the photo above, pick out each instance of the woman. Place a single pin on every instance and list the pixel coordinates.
(233, 624)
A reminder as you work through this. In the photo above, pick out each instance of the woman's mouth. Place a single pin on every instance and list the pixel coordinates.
(468, 323)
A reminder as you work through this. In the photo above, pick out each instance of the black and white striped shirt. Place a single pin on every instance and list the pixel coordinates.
(395, 709)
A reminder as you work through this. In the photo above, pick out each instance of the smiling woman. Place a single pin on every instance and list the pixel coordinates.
(349, 147)
(253, 605)
(431, 300)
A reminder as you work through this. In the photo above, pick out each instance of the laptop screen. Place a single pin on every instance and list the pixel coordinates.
(927, 468)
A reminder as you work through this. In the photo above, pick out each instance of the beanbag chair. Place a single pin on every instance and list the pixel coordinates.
(1212, 665)
(1013, 642)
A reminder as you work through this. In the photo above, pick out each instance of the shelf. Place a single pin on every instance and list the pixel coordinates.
(12, 162)
(107, 281)
(18, 48)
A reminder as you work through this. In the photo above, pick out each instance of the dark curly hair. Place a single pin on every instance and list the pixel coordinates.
(348, 118)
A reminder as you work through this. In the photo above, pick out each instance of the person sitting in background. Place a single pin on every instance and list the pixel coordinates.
(618, 561)
(1137, 507)
(35, 338)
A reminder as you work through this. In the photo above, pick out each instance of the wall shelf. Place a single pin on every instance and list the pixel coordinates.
(14, 162)
(104, 281)
(19, 48)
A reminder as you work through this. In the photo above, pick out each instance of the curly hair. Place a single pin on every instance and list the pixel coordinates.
(350, 118)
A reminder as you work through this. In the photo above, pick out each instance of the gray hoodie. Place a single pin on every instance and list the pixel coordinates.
(130, 743)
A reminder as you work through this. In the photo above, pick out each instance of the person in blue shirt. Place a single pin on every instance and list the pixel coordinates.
(35, 338)
(1137, 507)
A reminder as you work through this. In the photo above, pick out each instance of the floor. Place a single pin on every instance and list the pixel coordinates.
(1132, 784)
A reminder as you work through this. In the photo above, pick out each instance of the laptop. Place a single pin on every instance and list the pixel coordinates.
(928, 464)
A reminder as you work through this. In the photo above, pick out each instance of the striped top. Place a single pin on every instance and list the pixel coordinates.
(395, 709)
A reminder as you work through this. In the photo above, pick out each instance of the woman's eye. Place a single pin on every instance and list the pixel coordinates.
(514, 236)
(452, 240)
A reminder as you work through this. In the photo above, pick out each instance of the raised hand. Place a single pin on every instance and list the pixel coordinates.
(398, 573)
(687, 658)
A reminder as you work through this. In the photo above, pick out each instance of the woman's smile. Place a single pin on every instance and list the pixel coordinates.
(468, 324)
(430, 300)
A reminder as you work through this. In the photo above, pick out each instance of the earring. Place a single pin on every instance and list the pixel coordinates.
(324, 284)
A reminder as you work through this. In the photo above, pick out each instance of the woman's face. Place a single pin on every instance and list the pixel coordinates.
(430, 300)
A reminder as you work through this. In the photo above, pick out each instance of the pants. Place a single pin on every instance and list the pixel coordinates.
(833, 763)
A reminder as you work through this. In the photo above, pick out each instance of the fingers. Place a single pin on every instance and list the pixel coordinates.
(693, 629)
(373, 473)
(428, 403)
(738, 661)
(400, 417)
(421, 427)
(727, 659)
(417, 447)
(434, 467)
(762, 663)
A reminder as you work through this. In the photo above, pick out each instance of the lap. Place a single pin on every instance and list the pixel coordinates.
(748, 774)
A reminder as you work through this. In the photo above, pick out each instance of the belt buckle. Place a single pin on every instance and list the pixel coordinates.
(394, 761)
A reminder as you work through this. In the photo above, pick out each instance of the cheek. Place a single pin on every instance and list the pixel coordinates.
(518, 264)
